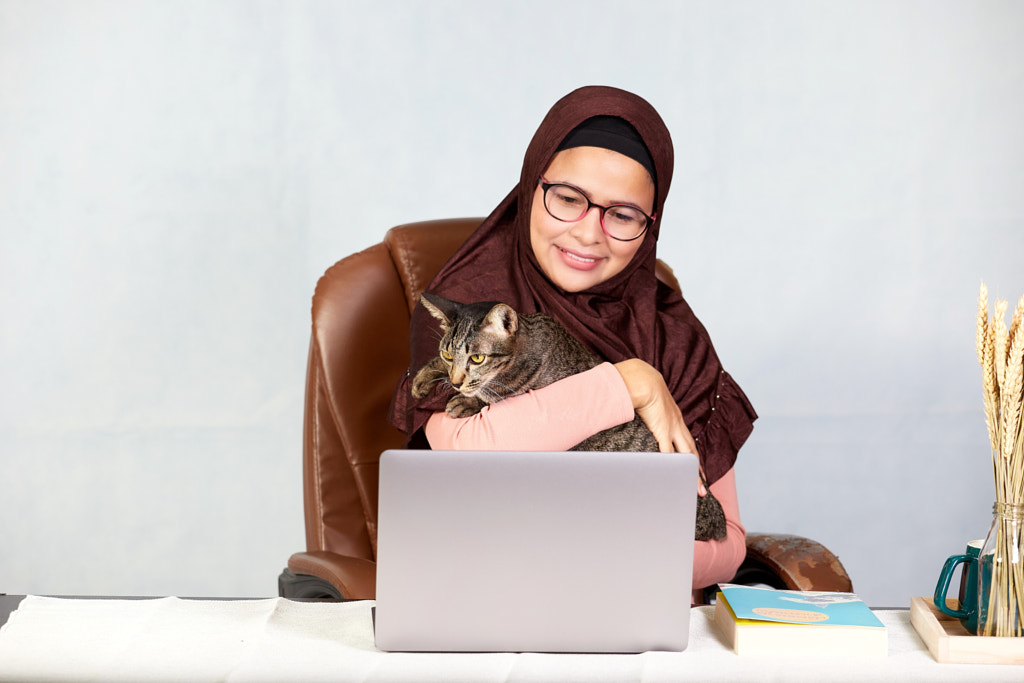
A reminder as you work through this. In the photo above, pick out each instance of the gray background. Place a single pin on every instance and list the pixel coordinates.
(174, 177)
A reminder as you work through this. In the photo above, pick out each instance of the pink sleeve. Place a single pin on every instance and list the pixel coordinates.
(717, 561)
(554, 418)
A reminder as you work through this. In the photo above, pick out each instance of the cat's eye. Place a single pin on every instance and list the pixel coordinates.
(477, 358)
(446, 355)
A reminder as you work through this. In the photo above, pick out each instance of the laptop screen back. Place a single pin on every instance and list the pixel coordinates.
(534, 551)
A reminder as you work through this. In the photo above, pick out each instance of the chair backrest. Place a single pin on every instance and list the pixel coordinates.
(359, 349)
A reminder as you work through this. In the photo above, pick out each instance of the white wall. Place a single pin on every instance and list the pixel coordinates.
(175, 176)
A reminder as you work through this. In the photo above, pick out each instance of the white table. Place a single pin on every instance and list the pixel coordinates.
(277, 639)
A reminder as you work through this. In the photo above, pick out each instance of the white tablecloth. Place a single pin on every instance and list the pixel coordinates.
(280, 640)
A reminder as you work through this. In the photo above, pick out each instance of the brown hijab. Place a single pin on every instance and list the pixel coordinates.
(631, 315)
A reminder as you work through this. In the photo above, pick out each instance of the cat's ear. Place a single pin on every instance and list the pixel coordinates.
(501, 319)
(439, 307)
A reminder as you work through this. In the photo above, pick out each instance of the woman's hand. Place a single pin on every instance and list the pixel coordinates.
(654, 404)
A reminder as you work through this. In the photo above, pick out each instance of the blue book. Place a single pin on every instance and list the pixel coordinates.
(768, 621)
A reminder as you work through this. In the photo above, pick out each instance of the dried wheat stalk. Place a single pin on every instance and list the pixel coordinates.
(1001, 354)
(1002, 335)
(982, 333)
(986, 354)
(1018, 321)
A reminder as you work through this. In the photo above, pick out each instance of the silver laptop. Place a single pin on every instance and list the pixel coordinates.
(488, 551)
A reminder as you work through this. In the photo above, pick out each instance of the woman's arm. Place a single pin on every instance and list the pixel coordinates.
(554, 418)
(717, 561)
(654, 404)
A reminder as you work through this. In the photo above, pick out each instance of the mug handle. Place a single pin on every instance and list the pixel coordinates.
(943, 585)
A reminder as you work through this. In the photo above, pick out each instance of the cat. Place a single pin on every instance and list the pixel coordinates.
(489, 352)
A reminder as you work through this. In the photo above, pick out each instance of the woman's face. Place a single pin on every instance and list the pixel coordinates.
(578, 256)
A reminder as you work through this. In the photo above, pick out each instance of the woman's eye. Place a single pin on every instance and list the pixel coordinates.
(569, 199)
(623, 217)
(477, 358)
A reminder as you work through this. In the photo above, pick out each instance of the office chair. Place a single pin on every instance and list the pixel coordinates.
(358, 350)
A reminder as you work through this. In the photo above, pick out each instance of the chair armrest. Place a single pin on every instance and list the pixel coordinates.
(781, 560)
(354, 577)
(798, 563)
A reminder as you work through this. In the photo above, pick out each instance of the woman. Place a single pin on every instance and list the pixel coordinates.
(576, 239)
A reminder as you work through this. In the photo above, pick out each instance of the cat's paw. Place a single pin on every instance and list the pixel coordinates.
(464, 406)
(424, 381)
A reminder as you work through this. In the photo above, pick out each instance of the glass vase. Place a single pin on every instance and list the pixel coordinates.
(1001, 574)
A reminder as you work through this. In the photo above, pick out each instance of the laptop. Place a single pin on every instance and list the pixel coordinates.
(494, 551)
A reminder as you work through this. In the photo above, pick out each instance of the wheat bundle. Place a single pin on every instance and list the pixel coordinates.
(1001, 354)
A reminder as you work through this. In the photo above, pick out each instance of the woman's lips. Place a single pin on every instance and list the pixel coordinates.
(578, 261)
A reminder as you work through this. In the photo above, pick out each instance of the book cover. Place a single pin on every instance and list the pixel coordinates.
(768, 621)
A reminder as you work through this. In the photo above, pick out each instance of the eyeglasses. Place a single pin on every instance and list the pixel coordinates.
(619, 221)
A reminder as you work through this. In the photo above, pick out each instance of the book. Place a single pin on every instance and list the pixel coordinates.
(768, 621)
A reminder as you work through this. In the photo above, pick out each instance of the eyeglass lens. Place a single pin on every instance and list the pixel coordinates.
(568, 204)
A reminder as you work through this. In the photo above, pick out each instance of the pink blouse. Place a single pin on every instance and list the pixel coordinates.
(551, 419)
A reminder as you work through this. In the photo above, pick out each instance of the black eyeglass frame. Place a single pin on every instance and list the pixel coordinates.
(545, 185)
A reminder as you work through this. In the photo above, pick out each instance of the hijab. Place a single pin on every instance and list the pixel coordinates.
(630, 315)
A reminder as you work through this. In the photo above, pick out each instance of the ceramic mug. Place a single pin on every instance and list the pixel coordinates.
(968, 612)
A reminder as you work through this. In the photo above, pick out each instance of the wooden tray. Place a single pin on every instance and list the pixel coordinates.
(950, 642)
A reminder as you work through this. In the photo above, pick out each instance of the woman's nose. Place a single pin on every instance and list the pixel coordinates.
(588, 229)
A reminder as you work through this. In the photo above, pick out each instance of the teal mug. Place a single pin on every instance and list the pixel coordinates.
(968, 612)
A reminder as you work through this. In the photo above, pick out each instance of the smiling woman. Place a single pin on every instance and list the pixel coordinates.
(577, 239)
(581, 253)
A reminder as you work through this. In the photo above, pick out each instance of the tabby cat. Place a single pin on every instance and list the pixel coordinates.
(489, 352)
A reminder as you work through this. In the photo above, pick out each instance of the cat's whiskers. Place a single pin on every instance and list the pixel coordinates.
(511, 392)
(446, 384)
(489, 395)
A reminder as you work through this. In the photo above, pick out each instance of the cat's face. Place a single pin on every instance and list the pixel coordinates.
(478, 343)
(577, 256)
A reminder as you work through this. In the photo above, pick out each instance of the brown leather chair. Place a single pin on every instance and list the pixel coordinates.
(358, 351)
